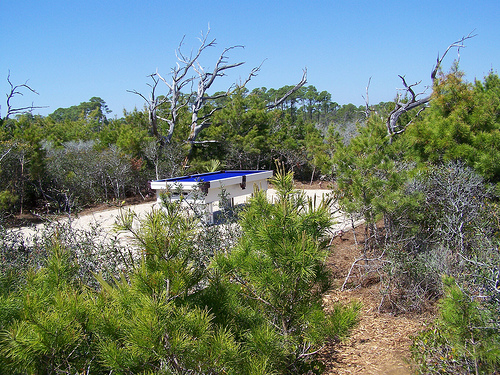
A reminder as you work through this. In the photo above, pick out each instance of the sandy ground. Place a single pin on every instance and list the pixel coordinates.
(380, 344)
(107, 218)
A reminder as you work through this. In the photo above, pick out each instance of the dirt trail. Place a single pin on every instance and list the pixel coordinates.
(380, 343)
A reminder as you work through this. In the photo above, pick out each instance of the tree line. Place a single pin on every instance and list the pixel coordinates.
(80, 156)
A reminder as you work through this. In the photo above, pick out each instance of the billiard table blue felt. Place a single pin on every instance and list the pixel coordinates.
(213, 176)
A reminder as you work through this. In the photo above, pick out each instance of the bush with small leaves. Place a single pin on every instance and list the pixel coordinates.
(440, 228)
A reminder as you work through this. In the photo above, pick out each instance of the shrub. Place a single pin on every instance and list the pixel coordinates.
(465, 339)
(442, 225)
(7, 201)
(176, 305)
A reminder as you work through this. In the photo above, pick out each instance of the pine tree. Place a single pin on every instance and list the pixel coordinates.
(279, 267)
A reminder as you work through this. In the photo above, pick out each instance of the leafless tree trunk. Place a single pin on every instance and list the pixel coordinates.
(205, 81)
(17, 90)
(407, 99)
(368, 109)
(180, 78)
(152, 103)
(5, 153)
(22, 161)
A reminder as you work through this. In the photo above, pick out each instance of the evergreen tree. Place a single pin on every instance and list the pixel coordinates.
(369, 174)
(462, 123)
(279, 267)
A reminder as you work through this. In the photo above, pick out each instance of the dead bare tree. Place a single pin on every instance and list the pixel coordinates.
(368, 109)
(152, 103)
(181, 77)
(180, 80)
(408, 99)
(205, 81)
(17, 90)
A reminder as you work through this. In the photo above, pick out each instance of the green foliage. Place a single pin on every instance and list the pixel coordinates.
(7, 200)
(465, 338)
(132, 324)
(244, 134)
(255, 308)
(142, 331)
(129, 134)
(95, 110)
(279, 265)
(242, 130)
(214, 165)
(170, 260)
(462, 123)
(168, 305)
(46, 332)
(368, 173)
(318, 151)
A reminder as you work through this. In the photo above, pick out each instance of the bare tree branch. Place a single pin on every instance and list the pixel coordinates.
(252, 74)
(17, 90)
(458, 44)
(205, 81)
(367, 100)
(409, 99)
(278, 102)
(197, 99)
(152, 103)
(7, 152)
(180, 78)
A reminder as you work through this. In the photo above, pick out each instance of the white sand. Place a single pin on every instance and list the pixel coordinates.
(106, 219)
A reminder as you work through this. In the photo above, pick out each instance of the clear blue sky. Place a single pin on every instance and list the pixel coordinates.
(71, 51)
